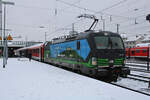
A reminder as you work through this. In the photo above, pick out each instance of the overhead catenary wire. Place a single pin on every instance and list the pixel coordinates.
(122, 18)
(62, 28)
(126, 21)
(33, 7)
(62, 10)
(114, 5)
(93, 11)
(73, 5)
(130, 18)
(84, 8)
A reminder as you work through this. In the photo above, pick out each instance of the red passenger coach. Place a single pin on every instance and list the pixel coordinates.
(37, 51)
(138, 52)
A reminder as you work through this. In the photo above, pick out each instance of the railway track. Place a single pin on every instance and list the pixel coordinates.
(148, 94)
(136, 62)
(139, 70)
(134, 77)
(145, 91)
(145, 80)
(136, 65)
(140, 76)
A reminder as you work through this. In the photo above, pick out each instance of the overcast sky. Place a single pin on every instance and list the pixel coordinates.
(27, 17)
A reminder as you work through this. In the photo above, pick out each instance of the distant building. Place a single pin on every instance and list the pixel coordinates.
(132, 41)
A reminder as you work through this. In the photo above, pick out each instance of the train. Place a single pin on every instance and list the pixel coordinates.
(97, 54)
(141, 50)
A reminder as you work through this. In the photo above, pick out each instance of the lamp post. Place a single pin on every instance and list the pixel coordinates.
(45, 36)
(118, 28)
(45, 32)
(5, 53)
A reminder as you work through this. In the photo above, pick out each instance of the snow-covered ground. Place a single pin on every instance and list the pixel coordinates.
(24, 80)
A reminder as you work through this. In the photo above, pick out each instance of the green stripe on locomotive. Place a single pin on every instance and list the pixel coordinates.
(101, 62)
(86, 64)
(105, 62)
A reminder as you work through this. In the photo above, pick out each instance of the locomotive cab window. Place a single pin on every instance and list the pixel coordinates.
(117, 43)
(103, 42)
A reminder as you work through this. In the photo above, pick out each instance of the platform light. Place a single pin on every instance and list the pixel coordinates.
(5, 50)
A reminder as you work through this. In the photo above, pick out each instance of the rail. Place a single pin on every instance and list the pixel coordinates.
(130, 89)
(145, 62)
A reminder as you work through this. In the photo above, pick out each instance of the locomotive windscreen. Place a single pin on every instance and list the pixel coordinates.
(105, 42)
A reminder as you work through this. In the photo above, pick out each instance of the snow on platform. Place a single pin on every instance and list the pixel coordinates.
(24, 80)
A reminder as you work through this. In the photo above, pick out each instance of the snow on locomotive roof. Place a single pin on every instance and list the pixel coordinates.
(143, 45)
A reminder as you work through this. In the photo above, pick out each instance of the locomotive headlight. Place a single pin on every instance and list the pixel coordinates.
(94, 61)
(111, 61)
(124, 61)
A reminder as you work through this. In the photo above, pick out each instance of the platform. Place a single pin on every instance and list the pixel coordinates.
(25, 80)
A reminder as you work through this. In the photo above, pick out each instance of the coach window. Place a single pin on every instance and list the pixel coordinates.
(126, 51)
(137, 51)
(133, 52)
(144, 51)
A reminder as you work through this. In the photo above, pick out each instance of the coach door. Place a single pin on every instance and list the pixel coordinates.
(40, 54)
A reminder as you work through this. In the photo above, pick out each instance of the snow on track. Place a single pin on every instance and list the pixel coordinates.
(24, 80)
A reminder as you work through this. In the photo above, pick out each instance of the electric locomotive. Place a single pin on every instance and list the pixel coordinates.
(100, 54)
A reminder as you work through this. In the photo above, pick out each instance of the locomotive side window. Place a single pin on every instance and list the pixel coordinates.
(78, 45)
